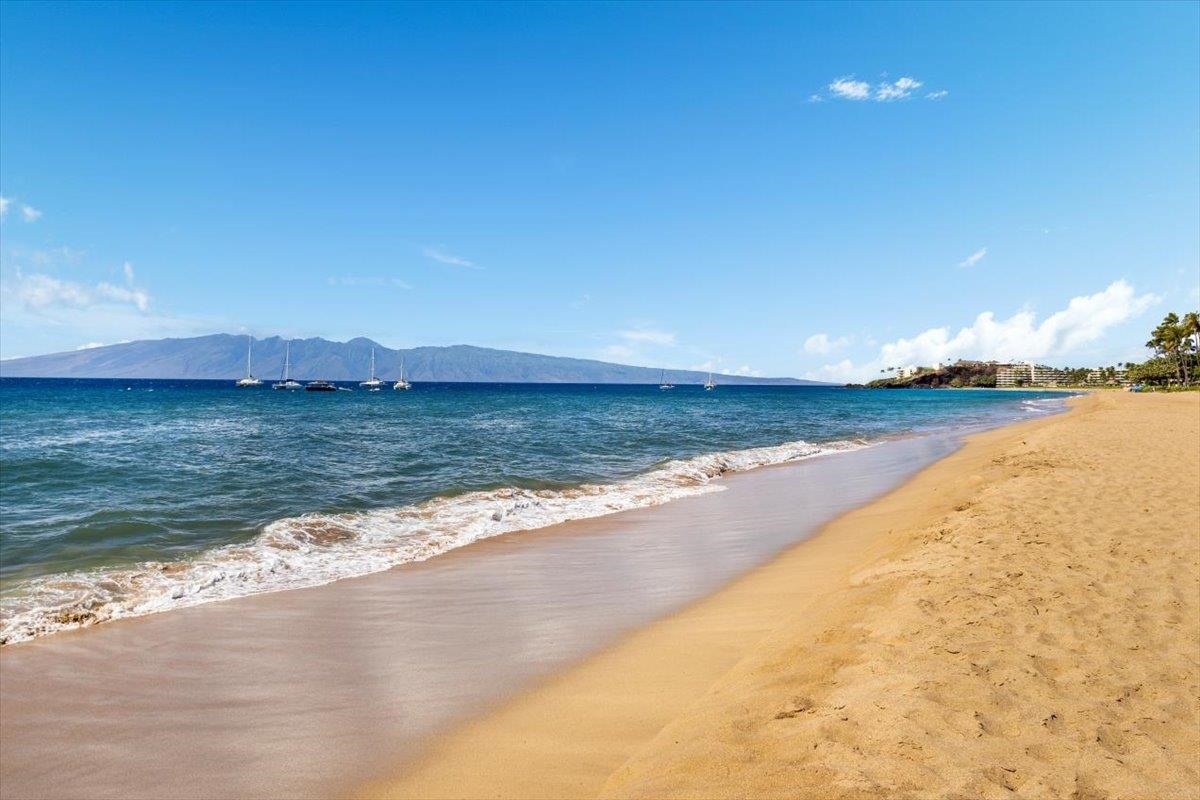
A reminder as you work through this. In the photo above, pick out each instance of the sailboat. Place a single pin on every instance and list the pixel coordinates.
(249, 380)
(710, 384)
(402, 384)
(662, 381)
(373, 383)
(286, 381)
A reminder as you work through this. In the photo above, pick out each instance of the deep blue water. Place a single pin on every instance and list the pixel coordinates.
(99, 476)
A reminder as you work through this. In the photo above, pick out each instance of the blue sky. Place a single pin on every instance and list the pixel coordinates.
(762, 188)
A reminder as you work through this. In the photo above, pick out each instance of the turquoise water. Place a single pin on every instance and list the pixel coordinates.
(129, 497)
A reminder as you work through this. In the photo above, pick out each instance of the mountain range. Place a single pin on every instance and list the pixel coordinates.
(222, 356)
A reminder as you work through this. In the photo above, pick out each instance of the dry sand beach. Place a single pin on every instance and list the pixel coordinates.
(1020, 619)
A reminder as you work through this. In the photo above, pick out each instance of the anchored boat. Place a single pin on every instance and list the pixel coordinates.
(249, 380)
(286, 381)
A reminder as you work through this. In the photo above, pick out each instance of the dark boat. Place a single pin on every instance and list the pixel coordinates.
(319, 386)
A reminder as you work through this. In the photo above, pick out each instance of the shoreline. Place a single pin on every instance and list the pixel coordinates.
(309, 693)
(663, 712)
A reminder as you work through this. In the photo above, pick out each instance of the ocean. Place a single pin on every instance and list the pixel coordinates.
(127, 497)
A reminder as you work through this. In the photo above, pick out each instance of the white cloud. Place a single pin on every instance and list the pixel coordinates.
(1019, 338)
(974, 258)
(90, 346)
(28, 213)
(897, 90)
(821, 344)
(127, 269)
(440, 255)
(38, 292)
(649, 336)
(747, 371)
(118, 294)
(842, 372)
(850, 89)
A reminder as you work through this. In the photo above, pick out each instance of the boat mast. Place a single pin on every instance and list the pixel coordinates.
(287, 360)
(249, 344)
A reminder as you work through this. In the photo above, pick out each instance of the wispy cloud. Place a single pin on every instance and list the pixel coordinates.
(649, 336)
(821, 344)
(848, 87)
(898, 89)
(974, 258)
(642, 343)
(28, 212)
(368, 280)
(439, 254)
(127, 269)
(38, 291)
(1085, 320)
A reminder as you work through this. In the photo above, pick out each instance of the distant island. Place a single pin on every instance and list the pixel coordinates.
(222, 356)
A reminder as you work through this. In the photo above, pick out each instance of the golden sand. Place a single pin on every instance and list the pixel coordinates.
(1022, 619)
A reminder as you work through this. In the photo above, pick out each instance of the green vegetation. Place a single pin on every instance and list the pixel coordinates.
(1176, 346)
(1174, 365)
(963, 374)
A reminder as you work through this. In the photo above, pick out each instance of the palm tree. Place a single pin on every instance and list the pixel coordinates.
(1167, 340)
(1191, 333)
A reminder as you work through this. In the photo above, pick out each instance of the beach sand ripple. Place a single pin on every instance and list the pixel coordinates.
(1035, 632)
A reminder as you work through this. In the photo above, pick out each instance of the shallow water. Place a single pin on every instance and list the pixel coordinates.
(311, 693)
(122, 498)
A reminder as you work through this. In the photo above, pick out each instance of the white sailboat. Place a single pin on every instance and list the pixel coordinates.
(286, 381)
(372, 383)
(662, 381)
(710, 384)
(249, 380)
(401, 384)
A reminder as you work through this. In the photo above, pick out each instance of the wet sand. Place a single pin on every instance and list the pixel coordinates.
(1022, 619)
(315, 692)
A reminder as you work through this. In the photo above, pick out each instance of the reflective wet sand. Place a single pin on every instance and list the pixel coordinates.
(312, 692)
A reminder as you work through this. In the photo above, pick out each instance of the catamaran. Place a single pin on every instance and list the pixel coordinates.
(710, 384)
(402, 384)
(372, 383)
(662, 381)
(249, 380)
(286, 381)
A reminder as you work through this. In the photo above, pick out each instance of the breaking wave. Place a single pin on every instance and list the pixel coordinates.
(314, 549)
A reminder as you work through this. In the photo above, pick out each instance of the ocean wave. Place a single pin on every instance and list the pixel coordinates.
(1043, 405)
(314, 549)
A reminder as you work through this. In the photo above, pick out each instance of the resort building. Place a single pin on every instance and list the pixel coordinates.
(1108, 375)
(1010, 375)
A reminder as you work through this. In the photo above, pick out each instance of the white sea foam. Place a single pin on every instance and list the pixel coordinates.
(315, 549)
(1044, 405)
